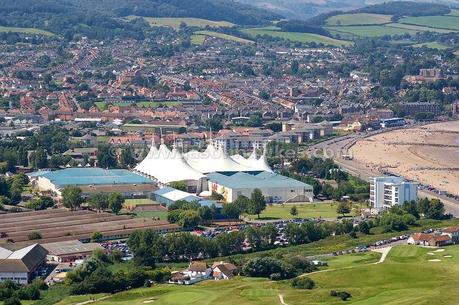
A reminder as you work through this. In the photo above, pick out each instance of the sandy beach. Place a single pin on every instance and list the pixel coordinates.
(427, 154)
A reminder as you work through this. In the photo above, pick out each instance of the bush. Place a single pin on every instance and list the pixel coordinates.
(268, 267)
(303, 283)
(343, 295)
(34, 236)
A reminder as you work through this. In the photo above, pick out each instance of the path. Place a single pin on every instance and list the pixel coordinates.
(384, 251)
(93, 300)
(281, 299)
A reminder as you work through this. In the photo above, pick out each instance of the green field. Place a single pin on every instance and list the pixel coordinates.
(30, 31)
(223, 36)
(358, 19)
(370, 30)
(439, 22)
(296, 37)
(307, 210)
(417, 28)
(198, 39)
(175, 22)
(431, 45)
(137, 201)
(409, 275)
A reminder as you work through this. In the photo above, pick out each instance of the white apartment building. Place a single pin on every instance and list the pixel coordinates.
(386, 192)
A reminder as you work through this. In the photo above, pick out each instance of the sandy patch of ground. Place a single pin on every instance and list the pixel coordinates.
(440, 250)
(447, 256)
(430, 253)
(428, 154)
(435, 260)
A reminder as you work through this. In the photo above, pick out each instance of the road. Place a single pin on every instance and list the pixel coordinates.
(337, 147)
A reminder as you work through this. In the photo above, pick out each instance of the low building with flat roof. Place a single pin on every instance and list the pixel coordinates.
(276, 188)
(20, 266)
(93, 180)
(70, 251)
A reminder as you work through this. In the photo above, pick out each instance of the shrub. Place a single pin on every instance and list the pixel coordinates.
(303, 283)
(34, 236)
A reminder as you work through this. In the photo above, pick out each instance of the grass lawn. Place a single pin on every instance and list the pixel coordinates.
(223, 36)
(439, 22)
(358, 19)
(175, 22)
(407, 276)
(370, 30)
(306, 210)
(30, 31)
(150, 214)
(296, 37)
(431, 45)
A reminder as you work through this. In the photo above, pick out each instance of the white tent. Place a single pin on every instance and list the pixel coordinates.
(167, 166)
(253, 162)
(213, 160)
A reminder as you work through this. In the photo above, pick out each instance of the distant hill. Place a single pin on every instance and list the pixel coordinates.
(98, 18)
(303, 9)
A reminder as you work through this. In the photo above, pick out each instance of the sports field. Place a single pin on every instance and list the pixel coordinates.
(175, 22)
(30, 31)
(439, 22)
(296, 37)
(409, 275)
(358, 19)
(306, 210)
(223, 36)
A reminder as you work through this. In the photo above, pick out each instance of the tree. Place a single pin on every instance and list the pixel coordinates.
(231, 210)
(96, 237)
(303, 283)
(294, 211)
(98, 201)
(34, 236)
(71, 197)
(106, 156)
(179, 185)
(115, 202)
(343, 208)
(257, 203)
(295, 67)
(39, 159)
(364, 227)
(189, 219)
(12, 301)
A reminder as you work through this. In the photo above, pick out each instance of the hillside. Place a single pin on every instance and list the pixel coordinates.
(303, 9)
(101, 18)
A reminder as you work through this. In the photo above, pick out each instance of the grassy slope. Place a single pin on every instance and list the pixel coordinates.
(358, 19)
(30, 31)
(198, 39)
(296, 37)
(417, 28)
(370, 30)
(175, 22)
(406, 277)
(442, 22)
(223, 36)
(431, 45)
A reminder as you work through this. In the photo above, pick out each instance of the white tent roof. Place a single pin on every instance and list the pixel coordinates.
(213, 160)
(252, 162)
(167, 166)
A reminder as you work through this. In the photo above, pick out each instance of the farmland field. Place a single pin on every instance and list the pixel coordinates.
(31, 31)
(439, 22)
(431, 45)
(358, 19)
(222, 36)
(370, 30)
(418, 28)
(198, 39)
(175, 22)
(409, 275)
(297, 37)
